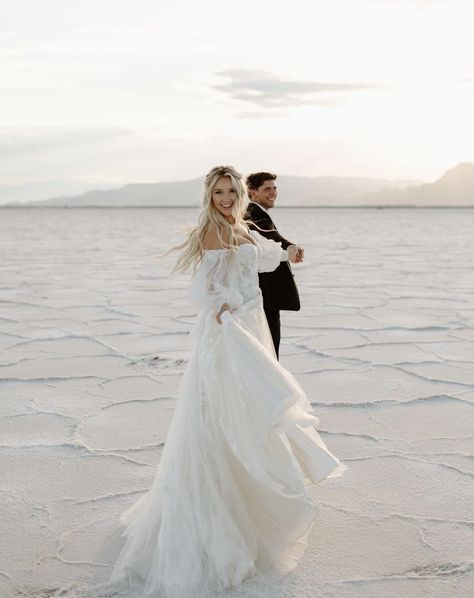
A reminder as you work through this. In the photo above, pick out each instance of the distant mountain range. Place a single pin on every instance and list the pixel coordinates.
(43, 190)
(454, 189)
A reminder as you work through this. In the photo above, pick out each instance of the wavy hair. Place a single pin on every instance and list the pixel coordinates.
(193, 247)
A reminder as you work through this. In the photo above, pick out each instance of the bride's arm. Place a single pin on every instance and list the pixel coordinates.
(213, 286)
(271, 253)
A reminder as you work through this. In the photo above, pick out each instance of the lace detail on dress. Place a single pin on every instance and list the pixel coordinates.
(248, 277)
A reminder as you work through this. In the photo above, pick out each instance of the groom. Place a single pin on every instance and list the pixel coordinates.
(278, 287)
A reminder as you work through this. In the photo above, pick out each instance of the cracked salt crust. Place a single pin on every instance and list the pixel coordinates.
(93, 345)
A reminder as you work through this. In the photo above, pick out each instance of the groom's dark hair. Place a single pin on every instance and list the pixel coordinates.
(258, 178)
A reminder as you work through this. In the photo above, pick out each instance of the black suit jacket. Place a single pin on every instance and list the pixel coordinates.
(278, 287)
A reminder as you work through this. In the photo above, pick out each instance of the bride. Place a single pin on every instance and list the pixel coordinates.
(230, 498)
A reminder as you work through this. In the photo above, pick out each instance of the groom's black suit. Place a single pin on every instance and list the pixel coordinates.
(278, 287)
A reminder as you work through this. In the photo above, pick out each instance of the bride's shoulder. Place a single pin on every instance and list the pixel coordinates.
(211, 238)
(245, 233)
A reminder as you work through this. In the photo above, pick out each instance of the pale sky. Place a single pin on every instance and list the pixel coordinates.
(115, 91)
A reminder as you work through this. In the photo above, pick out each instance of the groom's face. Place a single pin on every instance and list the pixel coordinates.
(265, 195)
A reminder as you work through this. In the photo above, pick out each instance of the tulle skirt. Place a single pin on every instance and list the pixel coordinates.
(230, 498)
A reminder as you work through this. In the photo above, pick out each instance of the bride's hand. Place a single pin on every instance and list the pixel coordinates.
(225, 307)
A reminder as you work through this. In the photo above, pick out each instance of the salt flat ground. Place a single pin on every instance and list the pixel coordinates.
(94, 337)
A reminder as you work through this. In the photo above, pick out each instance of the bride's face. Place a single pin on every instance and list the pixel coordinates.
(224, 196)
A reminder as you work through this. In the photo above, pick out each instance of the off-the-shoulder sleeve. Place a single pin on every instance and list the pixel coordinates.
(270, 253)
(214, 282)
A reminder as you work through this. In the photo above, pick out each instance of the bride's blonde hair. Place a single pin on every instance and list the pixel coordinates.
(193, 247)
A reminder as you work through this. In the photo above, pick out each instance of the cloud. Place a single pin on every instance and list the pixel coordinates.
(264, 89)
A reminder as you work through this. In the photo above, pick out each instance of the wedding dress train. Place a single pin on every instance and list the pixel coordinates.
(230, 496)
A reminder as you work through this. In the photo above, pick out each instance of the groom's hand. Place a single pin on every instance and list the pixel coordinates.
(300, 254)
(295, 254)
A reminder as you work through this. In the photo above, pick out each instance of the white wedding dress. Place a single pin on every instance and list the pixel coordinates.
(230, 496)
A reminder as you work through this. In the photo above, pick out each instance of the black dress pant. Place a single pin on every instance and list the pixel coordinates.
(273, 319)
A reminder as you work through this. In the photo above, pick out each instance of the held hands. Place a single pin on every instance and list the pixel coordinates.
(295, 254)
(225, 307)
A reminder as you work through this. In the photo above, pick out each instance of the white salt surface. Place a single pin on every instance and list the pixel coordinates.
(94, 339)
